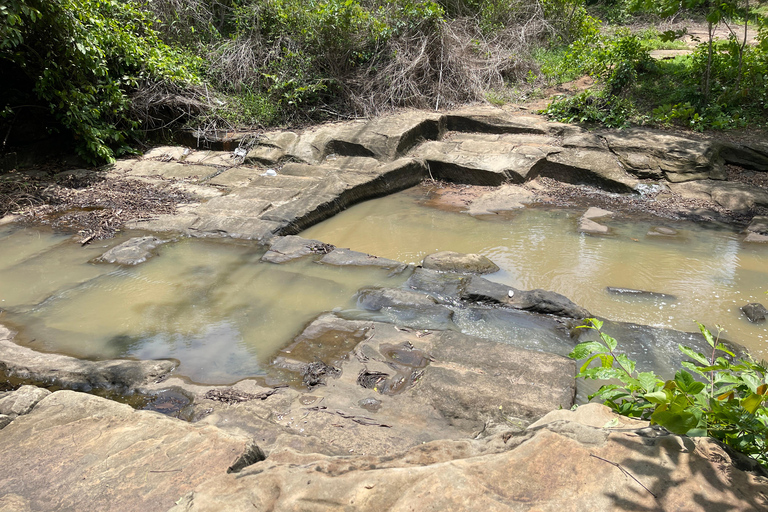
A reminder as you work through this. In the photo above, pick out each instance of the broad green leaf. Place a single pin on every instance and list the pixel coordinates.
(585, 349)
(752, 402)
(626, 362)
(609, 341)
(606, 360)
(648, 380)
(725, 349)
(676, 422)
(696, 356)
(657, 397)
(707, 335)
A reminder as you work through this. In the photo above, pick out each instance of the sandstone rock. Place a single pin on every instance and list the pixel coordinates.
(487, 119)
(22, 400)
(80, 452)
(754, 311)
(69, 372)
(163, 169)
(639, 294)
(167, 153)
(595, 213)
(477, 289)
(486, 160)
(419, 377)
(405, 308)
(598, 168)
(346, 257)
(654, 154)
(506, 197)
(4, 422)
(592, 227)
(271, 148)
(448, 261)
(756, 238)
(376, 298)
(759, 225)
(442, 285)
(291, 247)
(134, 251)
(666, 472)
(738, 197)
(661, 231)
(752, 156)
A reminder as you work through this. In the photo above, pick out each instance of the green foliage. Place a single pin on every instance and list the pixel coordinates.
(712, 395)
(84, 57)
(592, 107)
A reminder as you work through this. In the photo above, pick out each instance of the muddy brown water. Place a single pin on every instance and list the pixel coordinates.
(211, 303)
(708, 268)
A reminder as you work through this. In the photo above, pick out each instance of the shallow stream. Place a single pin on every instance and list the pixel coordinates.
(706, 267)
(211, 303)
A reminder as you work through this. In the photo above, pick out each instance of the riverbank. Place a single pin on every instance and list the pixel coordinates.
(403, 412)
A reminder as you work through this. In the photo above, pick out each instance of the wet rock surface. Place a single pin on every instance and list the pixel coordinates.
(134, 251)
(638, 294)
(69, 372)
(449, 261)
(422, 397)
(755, 312)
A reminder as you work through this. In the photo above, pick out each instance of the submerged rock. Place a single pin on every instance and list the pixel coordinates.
(449, 261)
(346, 257)
(134, 251)
(291, 247)
(755, 311)
(68, 372)
(640, 294)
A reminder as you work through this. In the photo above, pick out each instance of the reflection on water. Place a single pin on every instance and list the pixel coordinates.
(215, 307)
(710, 271)
(209, 303)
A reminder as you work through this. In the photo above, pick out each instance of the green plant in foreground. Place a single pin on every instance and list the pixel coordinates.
(720, 396)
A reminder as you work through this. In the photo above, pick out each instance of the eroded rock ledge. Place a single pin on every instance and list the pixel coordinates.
(289, 181)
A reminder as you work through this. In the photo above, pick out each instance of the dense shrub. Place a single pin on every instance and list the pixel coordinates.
(84, 58)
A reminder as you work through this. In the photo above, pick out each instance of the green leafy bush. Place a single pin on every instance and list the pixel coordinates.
(84, 58)
(592, 107)
(713, 395)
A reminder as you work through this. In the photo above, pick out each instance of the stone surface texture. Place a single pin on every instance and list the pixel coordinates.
(80, 452)
(132, 252)
(289, 181)
(450, 261)
(69, 372)
(581, 461)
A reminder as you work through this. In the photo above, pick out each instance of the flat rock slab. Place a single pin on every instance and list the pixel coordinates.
(345, 257)
(655, 154)
(118, 374)
(639, 294)
(564, 464)
(134, 251)
(22, 401)
(449, 261)
(505, 198)
(292, 247)
(427, 386)
(80, 452)
(738, 197)
(759, 225)
(592, 227)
